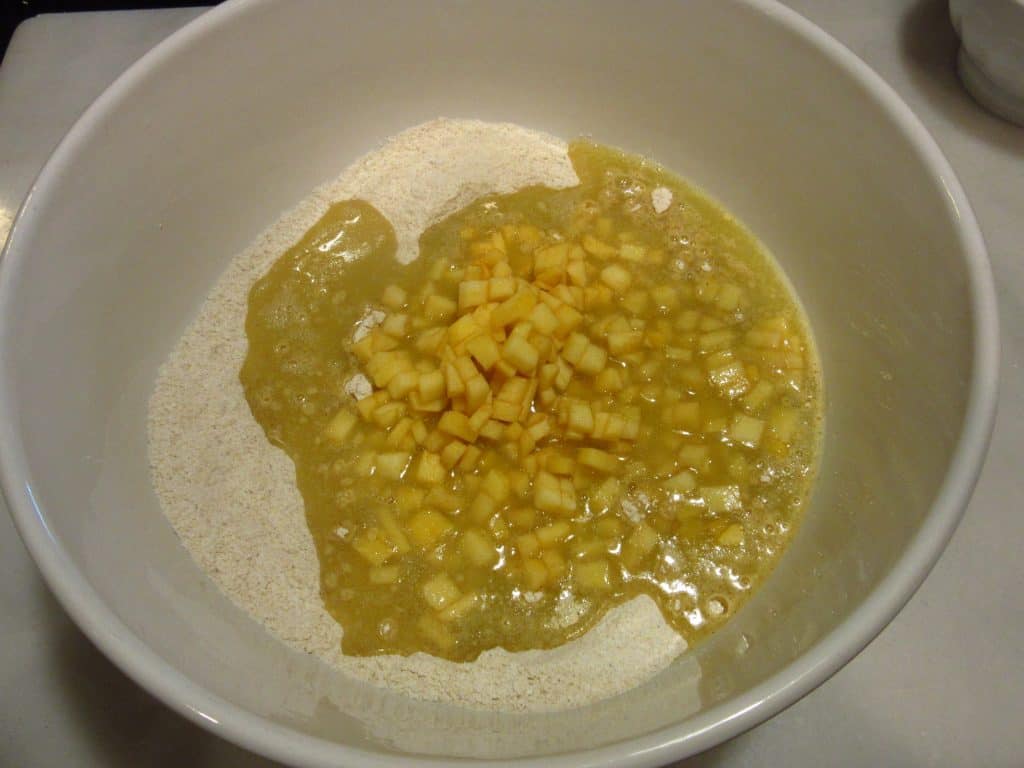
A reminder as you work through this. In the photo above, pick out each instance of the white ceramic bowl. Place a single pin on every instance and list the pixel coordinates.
(235, 118)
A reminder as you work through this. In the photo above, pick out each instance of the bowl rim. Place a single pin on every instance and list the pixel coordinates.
(717, 724)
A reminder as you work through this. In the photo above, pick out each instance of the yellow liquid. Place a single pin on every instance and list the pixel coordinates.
(705, 352)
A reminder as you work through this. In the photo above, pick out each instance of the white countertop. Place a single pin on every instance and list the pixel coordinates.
(942, 686)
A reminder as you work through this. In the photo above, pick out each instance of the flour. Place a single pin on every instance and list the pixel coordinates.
(231, 496)
(661, 199)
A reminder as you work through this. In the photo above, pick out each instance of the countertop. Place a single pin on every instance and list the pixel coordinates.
(943, 685)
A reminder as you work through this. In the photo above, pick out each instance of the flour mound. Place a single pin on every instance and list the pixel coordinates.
(231, 496)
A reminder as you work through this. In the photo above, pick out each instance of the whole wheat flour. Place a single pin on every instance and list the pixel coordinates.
(231, 495)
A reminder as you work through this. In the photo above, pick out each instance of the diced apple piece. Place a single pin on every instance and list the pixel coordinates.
(439, 591)
(616, 277)
(500, 288)
(403, 383)
(454, 385)
(632, 252)
(484, 351)
(543, 319)
(609, 527)
(457, 425)
(714, 341)
(527, 545)
(553, 257)
(470, 458)
(430, 470)
(383, 574)
(553, 533)
(624, 341)
(665, 296)
(388, 414)
(593, 360)
(729, 297)
(483, 507)
(374, 546)
(783, 423)
(580, 417)
(520, 354)
(731, 536)
(479, 548)
(609, 380)
(425, 406)
(595, 247)
(496, 485)
(393, 531)
(577, 272)
(452, 453)
(395, 326)
(382, 342)
(721, 498)
(555, 564)
(393, 297)
(439, 308)
(515, 308)
(730, 379)
(756, 398)
(431, 385)
(765, 339)
(597, 459)
(409, 499)
(400, 435)
(684, 415)
(540, 429)
(460, 607)
(480, 417)
(568, 319)
(558, 463)
(472, 293)
(641, 542)
(604, 497)
(340, 426)
(392, 465)
(477, 391)
(363, 349)
(682, 482)
(547, 493)
(505, 411)
(746, 430)
(592, 576)
(462, 330)
(696, 457)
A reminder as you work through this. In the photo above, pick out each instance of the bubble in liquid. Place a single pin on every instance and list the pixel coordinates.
(717, 607)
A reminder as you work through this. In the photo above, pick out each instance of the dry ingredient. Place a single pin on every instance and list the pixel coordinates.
(565, 410)
(231, 496)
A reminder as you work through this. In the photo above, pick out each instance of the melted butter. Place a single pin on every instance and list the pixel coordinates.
(699, 504)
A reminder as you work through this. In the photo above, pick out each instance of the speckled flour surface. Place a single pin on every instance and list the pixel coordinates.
(231, 495)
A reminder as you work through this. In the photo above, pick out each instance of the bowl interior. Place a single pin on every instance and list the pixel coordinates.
(228, 125)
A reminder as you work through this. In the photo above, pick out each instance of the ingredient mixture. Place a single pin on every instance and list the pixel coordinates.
(555, 408)
(231, 496)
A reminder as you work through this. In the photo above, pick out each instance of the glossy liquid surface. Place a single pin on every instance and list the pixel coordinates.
(668, 453)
